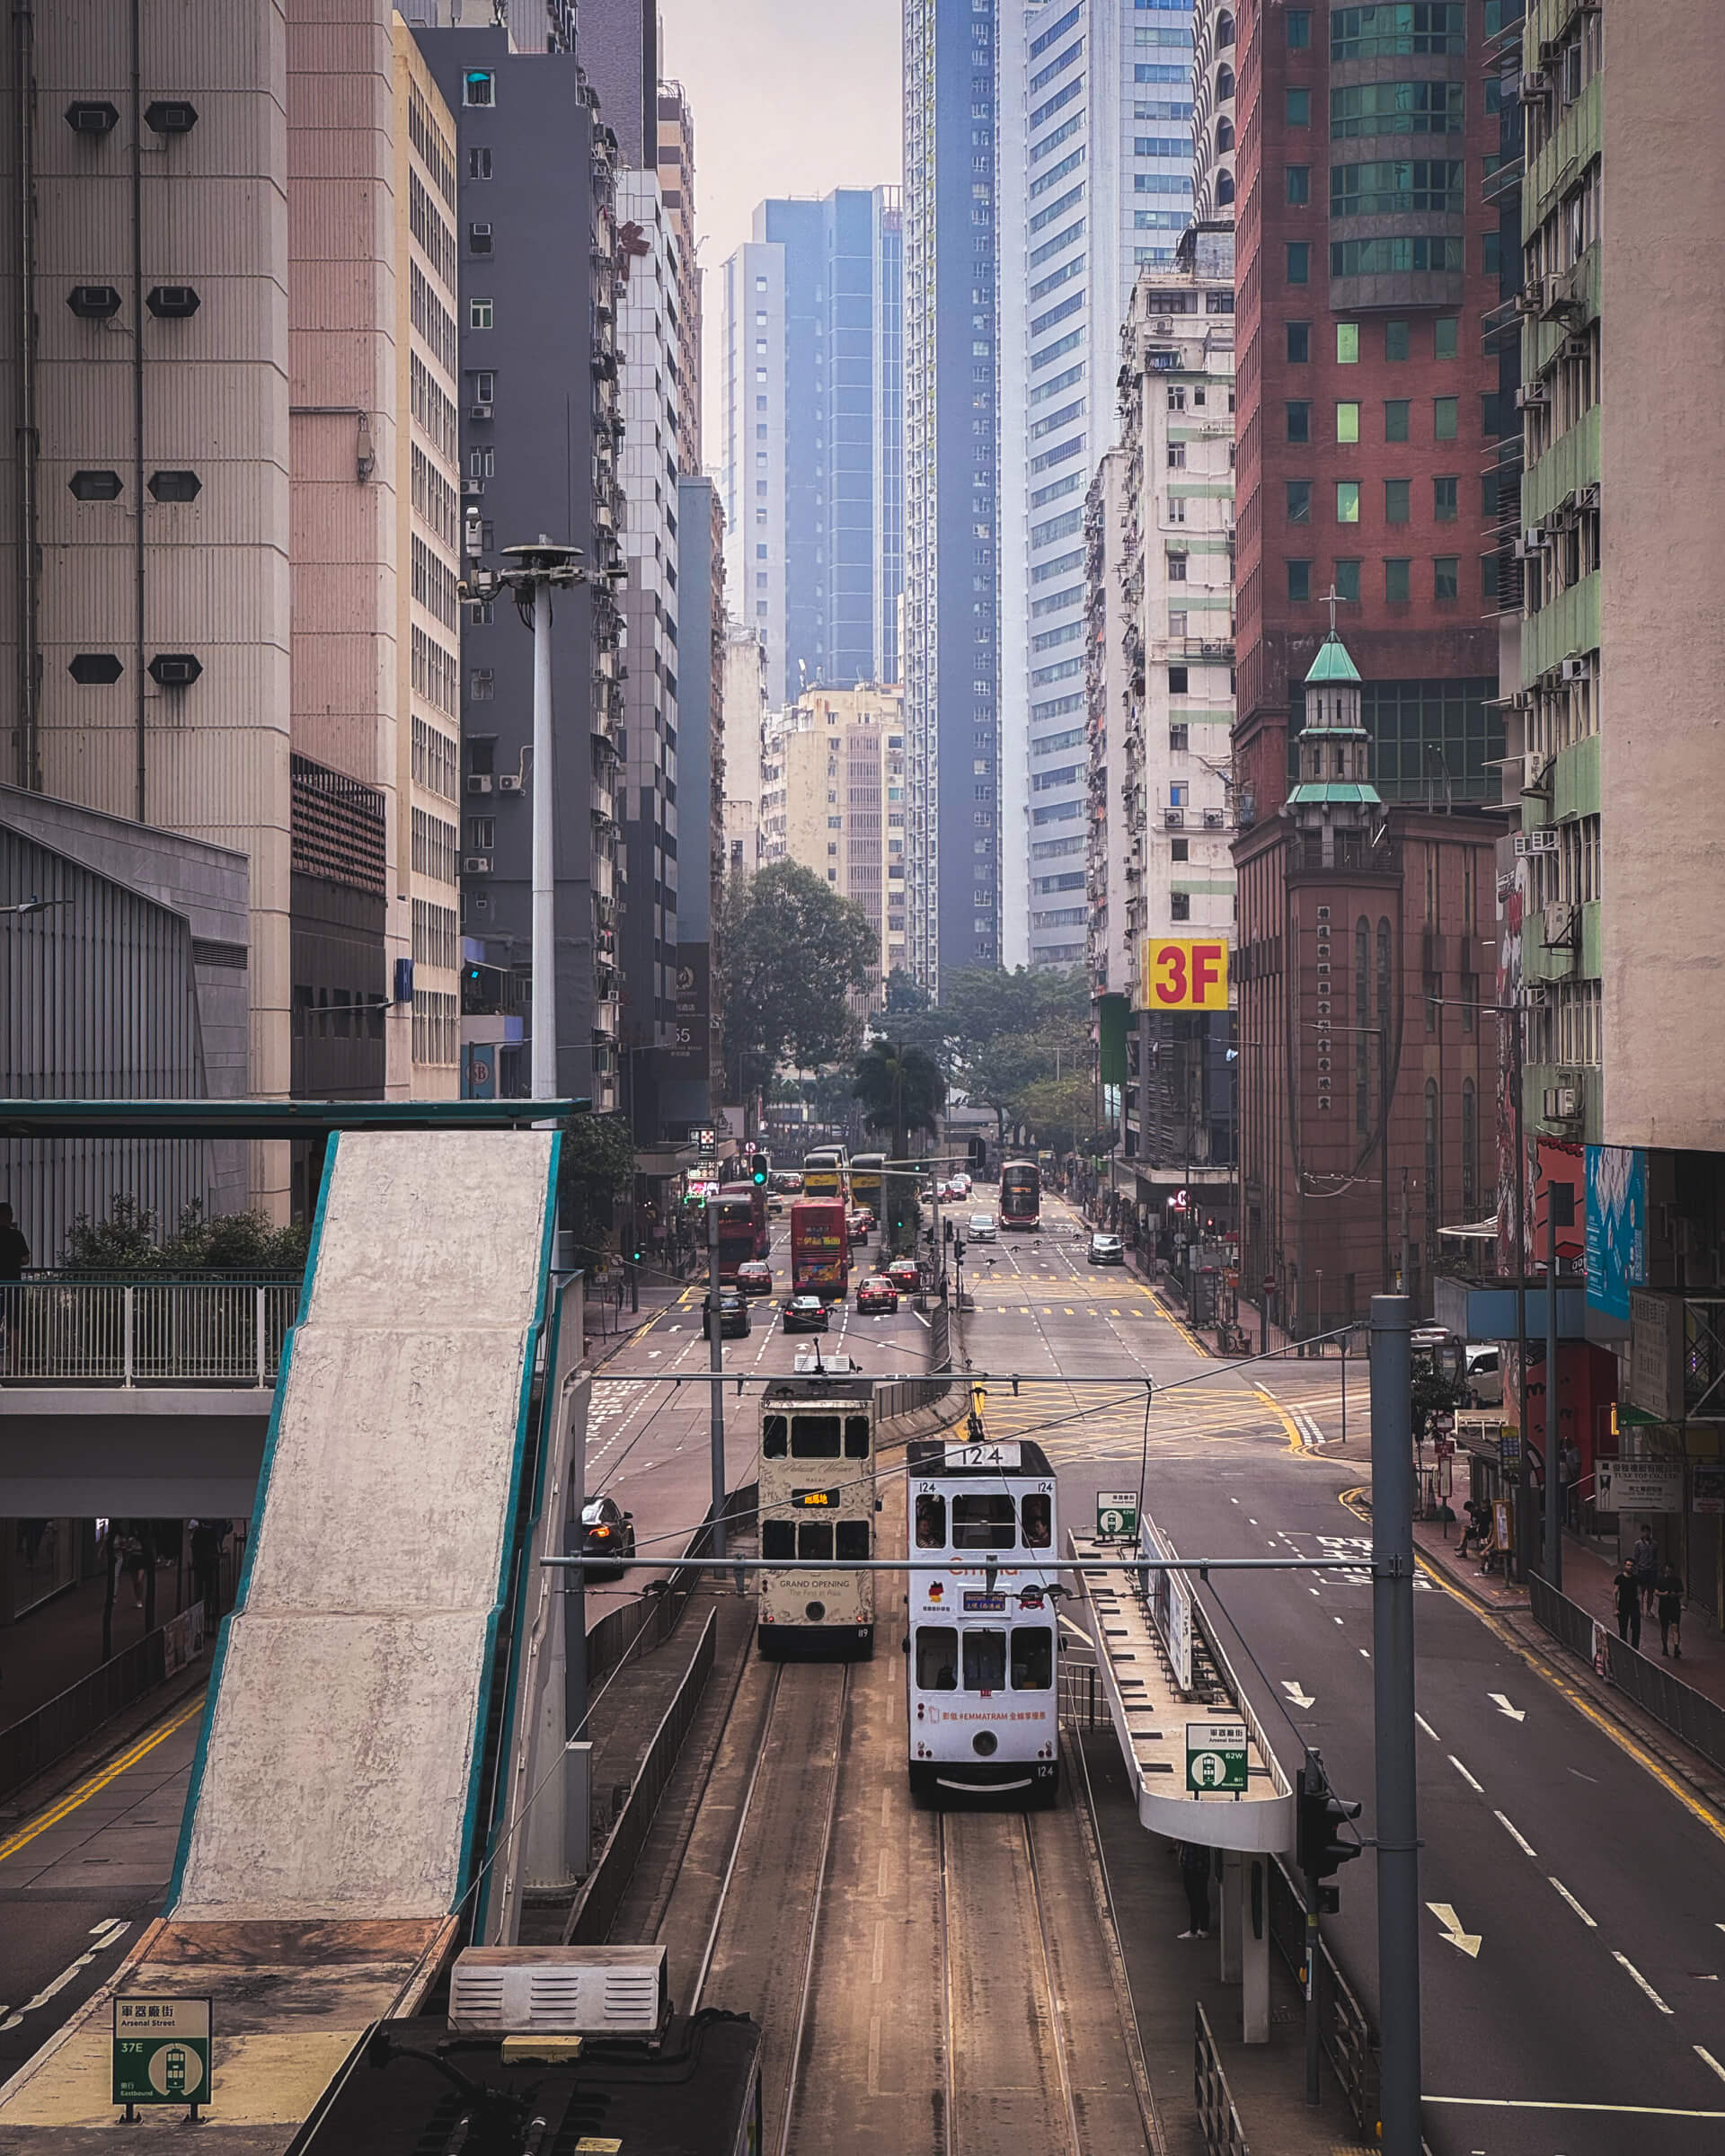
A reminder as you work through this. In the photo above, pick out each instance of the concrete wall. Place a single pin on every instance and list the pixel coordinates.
(1662, 642)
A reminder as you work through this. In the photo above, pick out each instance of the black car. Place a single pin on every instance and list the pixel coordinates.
(606, 1531)
(733, 1316)
(805, 1313)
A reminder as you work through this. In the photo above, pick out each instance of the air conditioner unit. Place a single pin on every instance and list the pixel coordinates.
(560, 1991)
(1173, 819)
(1530, 299)
(508, 782)
(1215, 819)
(1562, 1103)
(1534, 86)
(1535, 996)
(1574, 347)
(602, 516)
(479, 781)
(477, 864)
(1572, 669)
(1536, 774)
(1530, 393)
(479, 411)
(1589, 497)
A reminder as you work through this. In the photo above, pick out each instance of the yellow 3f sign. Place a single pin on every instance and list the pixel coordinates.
(1185, 975)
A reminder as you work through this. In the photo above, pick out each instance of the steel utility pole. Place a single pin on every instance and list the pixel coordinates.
(1397, 1821)
(1560, 1212)
(716, 1366)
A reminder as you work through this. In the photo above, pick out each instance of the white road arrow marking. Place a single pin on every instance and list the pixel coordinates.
(1302, 1699)
(1468, 1941)
(1516, 1714)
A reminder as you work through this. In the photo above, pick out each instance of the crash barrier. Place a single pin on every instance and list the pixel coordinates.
(1687, 1713)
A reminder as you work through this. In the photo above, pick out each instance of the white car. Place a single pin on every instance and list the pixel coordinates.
(981, 1228)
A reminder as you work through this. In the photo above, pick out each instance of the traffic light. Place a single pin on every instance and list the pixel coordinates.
(757, 1170)
(1320, 1814)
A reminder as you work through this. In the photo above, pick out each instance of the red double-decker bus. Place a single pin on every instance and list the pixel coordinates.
(820, 1248)
(756, 1197)
(1021, 1195)
(736, 1230)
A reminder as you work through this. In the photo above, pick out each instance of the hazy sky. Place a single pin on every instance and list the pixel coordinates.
(791, 97)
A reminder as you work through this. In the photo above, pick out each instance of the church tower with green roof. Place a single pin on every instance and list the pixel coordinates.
(1334, 793)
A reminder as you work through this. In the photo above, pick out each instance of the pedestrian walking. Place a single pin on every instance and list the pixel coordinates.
(1195, 1878)
(1627, 1589)
(1671, 1612)
(1645, 1558)
(15, 1251)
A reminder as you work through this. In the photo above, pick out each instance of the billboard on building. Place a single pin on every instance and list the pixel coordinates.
(692, 1044)
(1616, 1227)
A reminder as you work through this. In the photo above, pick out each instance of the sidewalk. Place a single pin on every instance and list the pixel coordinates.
(57, 1642)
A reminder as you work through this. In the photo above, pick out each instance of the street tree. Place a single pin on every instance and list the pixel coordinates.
(901, 1090)
(794, 952)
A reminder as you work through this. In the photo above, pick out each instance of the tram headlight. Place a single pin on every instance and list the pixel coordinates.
(814, 1611)
(984, 1742)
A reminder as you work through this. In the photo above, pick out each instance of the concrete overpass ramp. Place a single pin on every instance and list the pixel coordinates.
(339, 1776)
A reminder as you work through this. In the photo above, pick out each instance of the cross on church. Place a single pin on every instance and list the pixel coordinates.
(1332, 597)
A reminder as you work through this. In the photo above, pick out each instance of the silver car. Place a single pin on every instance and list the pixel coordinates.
(981, 1228)
(1107, 1250)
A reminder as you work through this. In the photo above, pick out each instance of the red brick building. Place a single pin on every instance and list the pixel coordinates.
(1366, 259)
(1364, 927)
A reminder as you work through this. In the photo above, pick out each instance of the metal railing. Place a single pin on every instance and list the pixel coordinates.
(62, 1332)
(648, 1622)
(922, 1392)
(601, 1896)
(1224, 2135)
(1344, 2032)
(1687, 1713)
(38, 1741)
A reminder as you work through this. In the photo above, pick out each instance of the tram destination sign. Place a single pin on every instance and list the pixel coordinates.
(1002, 1455)
(160, 2052)
(1215, 1756)
(1117, 1515)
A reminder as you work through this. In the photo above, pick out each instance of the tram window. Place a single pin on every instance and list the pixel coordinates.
(778, 1538)
(856, 1436)
(853, 1537)
(772, 1437)
(1039, 1522)
(937, 1658)
(814, 1538)
(1032, 1657)
(985, 1661)
(984, 1522)
(815, 1438)
(931, 1522)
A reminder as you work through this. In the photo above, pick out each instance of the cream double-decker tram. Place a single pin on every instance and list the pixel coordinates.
(816, 1501)
(984, 1629)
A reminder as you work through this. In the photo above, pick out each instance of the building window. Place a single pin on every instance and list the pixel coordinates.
(1299, 580)
(1180, 905)
(1443, 414)
(1299, 184)
(1396, 492)
(1299, 261)
(1347, 581)
(1223, 83)
(1177, 677)
(1395, 418)
(1347, 501)
(481, 681)
(1346, 344)
(1299, 107)
(1347, 422)
(1470, 1148)
(1299, 343)
(479, 165)
(1299, 501)
(1431, 1147)
(479, 87)
(1445, 331)
(479, 239)
(479, 315)
(1299, 28)
(1176, 569)
(1225, 187)
(1178, 737)
(1396, 588)
(1443, 502)
(1446, 576)
(1396, 340)
(1299, 421)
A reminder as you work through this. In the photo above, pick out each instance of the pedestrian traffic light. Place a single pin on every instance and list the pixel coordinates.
(1320, 1814)
(757, 1170)
(946, 1230)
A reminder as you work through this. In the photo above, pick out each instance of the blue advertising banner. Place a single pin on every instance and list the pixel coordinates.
(1616, 1227)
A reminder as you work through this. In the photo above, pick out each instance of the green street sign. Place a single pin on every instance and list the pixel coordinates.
(160, 2052)
(1117, 1515)
(1215, 1756)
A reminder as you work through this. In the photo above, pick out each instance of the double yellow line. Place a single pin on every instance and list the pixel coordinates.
(85, 1791)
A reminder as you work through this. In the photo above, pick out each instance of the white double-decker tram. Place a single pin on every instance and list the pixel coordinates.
(984, 1631)
(816, 1498)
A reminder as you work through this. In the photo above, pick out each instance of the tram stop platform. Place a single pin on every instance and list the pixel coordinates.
(1198, 1765)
